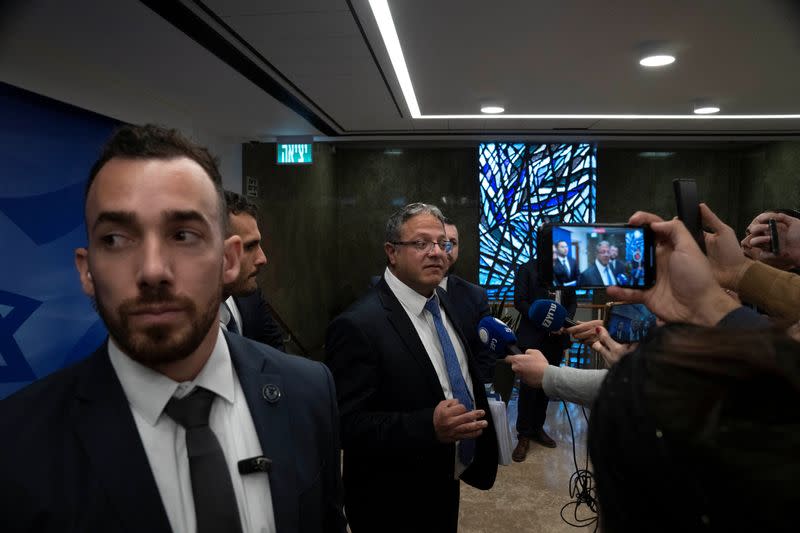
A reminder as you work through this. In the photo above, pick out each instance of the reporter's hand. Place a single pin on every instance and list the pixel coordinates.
(758, 239)
(726, 257)
(685, 288)
(609, 349)
(585, 332)
(452, 422)
(530, 366)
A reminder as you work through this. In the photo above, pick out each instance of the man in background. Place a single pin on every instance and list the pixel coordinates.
(565, 268)
(244, 310)
(532, 403)
(471, 304)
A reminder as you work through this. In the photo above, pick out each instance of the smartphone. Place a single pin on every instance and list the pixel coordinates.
(628, 323)
(689, 209)
(594, 256)
(774, 241)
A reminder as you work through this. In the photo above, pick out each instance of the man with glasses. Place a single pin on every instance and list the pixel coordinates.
(413, 414)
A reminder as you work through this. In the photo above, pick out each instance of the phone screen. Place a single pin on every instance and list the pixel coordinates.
(596, 256)
(628, 323)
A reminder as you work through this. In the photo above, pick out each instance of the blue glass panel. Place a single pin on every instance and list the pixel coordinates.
(520, 183)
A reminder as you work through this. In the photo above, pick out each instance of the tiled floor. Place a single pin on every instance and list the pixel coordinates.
(528, 496)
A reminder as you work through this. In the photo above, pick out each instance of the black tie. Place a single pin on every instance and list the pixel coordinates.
(231, 325)
(215, 505)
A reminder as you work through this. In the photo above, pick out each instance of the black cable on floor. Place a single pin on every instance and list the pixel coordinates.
(581, 485)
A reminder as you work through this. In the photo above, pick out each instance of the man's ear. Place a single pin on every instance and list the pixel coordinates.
(391, 252)
(231, 259)
(82, 265)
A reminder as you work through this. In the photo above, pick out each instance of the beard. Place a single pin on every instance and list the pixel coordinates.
(160, 344)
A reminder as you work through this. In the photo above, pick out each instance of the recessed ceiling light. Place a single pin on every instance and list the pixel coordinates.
(658, 60)
(706, 110)
(492, 109)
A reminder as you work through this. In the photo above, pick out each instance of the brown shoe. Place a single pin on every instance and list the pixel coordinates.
(519, 453)
(544, 439)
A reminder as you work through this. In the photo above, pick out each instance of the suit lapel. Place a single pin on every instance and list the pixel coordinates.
(259, 380)
(399, 320)
(105, 426)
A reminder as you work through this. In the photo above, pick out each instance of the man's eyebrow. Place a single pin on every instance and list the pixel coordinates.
(126, 218)
(189, 215)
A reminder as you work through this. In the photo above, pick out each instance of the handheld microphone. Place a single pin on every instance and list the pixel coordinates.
(497, 336)
(549, 315)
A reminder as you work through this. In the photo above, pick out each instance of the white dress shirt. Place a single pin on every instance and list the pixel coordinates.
(606, 273)
(414, 305)
(164, 439)
(225, 316)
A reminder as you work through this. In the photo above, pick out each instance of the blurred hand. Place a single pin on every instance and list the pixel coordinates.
(585, 332)
(452, 422)
(727, 259)
(609, 349)
(758, 240)
(685, 288)
(529, 366)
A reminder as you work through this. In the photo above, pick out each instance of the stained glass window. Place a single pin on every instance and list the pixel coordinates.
(519, 184)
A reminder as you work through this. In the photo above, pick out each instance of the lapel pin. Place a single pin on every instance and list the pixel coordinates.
(271, 393)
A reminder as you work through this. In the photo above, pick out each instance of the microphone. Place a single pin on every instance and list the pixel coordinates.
(497, 336)
(254, 464)
(549, 315)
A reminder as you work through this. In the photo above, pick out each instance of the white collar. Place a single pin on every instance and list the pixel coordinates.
(148, 391)
(413, 301)
(443, 283)
(600, 266)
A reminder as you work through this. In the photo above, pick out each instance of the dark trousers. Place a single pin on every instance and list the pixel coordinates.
(532, 402)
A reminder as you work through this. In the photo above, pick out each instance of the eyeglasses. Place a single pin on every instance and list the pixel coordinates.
(426, 246)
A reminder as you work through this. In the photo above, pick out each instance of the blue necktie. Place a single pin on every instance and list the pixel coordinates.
(466, 447)
(611, 280)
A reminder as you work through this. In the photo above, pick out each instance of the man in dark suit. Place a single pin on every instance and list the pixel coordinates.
(617, 265)
(170, 425)
(532, 402)
(565, 268)
(599, 273)
(471, 303)
(244, 309)
(414, 415)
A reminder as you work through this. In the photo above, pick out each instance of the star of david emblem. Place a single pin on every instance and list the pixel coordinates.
(14, 311)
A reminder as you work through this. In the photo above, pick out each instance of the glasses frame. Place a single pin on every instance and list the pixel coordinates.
(445, 245)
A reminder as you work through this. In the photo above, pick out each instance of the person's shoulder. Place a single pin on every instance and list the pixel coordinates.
(461, 284)
(45, 402)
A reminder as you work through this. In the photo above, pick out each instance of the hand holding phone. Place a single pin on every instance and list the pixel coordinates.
(774, 240)
(689, 209)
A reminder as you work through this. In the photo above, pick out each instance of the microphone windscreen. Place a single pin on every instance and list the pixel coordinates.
(547, 314)
(496, 335)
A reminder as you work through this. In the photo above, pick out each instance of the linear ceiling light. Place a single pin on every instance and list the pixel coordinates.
(383, 17)
(380, 8)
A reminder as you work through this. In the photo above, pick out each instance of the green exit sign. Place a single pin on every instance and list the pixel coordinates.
(294, 154)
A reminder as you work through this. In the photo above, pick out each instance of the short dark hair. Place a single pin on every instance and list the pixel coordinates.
(156, 142)
(237, 204)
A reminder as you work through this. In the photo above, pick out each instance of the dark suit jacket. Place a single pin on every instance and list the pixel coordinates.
(397, 475)
(71, 458)
(528, 289)
(470, 304)
(560, 273)
(257, 321)
(591, 277)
